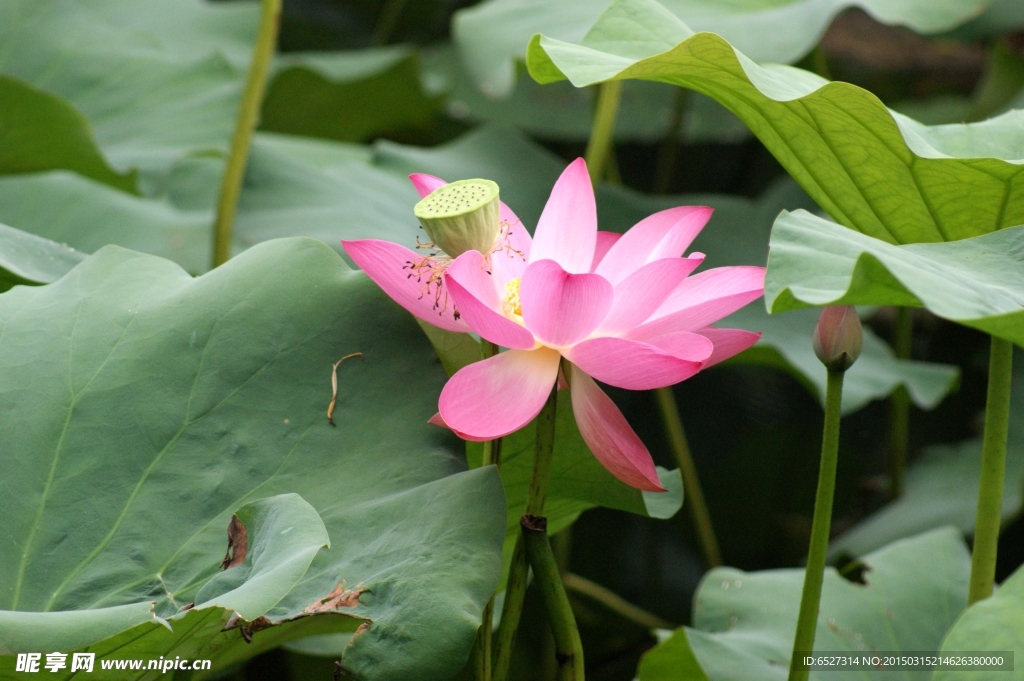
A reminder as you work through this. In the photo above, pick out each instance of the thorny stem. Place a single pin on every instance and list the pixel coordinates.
(899, 407)
(602, 131)
(515, 589)
(993, 471)
(482, 647)
(252, 98)
(807, 622)
(670, 145)
(568, 647)
(693, 495)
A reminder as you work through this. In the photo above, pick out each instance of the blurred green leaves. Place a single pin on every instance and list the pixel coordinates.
(493, 35)
(743, 622)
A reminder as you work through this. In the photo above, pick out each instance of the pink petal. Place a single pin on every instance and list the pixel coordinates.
(436, 420)
(609, 436)
(567, 229)
(635, 365)
(499, 395)
(424, 184)
(561, 308)
(386, 264)
(643, 292)
(605, 240)
(705, 298)
(479, 303)
(662, 235)
(728, 342)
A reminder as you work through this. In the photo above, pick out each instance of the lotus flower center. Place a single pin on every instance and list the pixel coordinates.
(512, 307)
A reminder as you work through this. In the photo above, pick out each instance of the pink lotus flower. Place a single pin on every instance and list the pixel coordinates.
(621, 309)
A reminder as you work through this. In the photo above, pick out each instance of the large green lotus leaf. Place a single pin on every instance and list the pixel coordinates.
(43, 132)
(28, 259)
(330, 191)
(493, 35)
(560, 111)
(977, 282)
(87, 215)
(871, 169)
(294, 186)
(157, 80)
(996, 623)
(348, 96)
(145, 406)
(942, 489)
(744, 622)
(273, 544)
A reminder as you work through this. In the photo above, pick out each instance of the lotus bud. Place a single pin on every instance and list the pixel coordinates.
(462, 216)
(837, 337)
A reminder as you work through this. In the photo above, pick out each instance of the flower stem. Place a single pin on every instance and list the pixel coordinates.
(693, 495)
(602, 130)
(515, 589)
(670, 145)
(568, 647)
(387, 20)
(993, 470)
(252, 98)
(820, 528)
(614, 602)
(482, 647)
(899, 407)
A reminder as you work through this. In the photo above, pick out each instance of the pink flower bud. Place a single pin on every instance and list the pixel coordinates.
(837, 337)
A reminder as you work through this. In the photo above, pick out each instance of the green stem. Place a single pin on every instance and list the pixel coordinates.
(693, 495)
(482, 644)
(614, 602)
(482, 647)
(252, 98)
(899, 407)
(515, 589)
(568, 647)
(387, 20)
(670, 145)
(993, 470)
(602, 131)
(820, 528)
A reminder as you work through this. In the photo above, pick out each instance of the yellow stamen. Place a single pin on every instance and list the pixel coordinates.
(512, 307)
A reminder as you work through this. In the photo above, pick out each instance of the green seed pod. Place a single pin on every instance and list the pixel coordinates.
(837, 337)
(461, 216)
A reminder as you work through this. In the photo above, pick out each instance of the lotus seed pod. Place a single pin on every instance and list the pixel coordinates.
(462, 216)
(837, 337)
